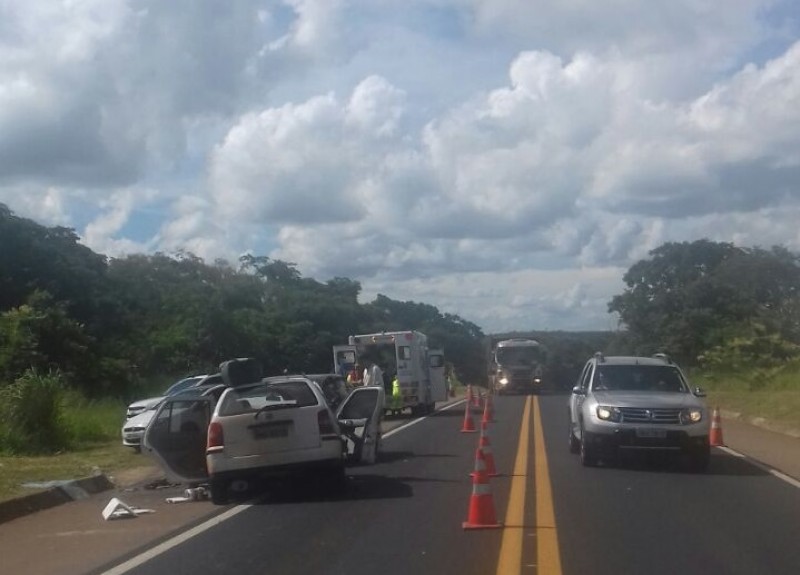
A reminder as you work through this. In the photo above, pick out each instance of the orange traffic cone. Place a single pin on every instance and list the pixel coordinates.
(469, 425)
(476, 399)
(485, 447)
(481, 504)
(488, 410)
(715, 437)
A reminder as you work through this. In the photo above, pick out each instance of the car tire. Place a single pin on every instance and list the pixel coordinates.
(574, 444)
(219, 491)
(588, 456)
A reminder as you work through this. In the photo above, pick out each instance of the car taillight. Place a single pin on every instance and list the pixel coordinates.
(216, 438)
(325, 423)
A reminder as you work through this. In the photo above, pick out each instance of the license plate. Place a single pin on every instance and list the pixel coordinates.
(271, 431)
(651, 433)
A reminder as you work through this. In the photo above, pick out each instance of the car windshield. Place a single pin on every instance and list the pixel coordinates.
(268, 395)
(656, 378)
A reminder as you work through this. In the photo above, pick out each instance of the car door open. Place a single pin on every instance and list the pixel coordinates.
(359, 418)
(177, 435)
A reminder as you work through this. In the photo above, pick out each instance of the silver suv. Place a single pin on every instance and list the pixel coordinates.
(637, 403)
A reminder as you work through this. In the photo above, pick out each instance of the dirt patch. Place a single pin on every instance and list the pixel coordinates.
(136, 476)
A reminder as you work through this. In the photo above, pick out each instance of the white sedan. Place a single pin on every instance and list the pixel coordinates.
(263, 428)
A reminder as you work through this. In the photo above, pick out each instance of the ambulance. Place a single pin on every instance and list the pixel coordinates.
(419, 369)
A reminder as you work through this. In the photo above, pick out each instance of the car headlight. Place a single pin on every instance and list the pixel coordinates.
(689, 416)
(607, 413)
(504, 380)
(537, 380)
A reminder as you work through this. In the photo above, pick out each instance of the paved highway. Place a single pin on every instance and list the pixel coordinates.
(404, 515)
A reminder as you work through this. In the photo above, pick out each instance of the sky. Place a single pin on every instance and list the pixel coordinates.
(503, 160)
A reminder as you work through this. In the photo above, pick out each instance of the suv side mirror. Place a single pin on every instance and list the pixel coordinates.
(578, 390)
(699, 392)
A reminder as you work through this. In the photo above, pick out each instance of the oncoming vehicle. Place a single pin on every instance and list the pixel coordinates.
(516, 366)
(637, 403)
(262, 428)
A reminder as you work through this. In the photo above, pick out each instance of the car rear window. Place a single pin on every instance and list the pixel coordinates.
(284, 394)
(657, 378)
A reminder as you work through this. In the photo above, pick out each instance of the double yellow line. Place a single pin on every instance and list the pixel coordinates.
(548, 560)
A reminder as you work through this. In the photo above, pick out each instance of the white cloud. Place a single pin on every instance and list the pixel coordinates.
(503, 159)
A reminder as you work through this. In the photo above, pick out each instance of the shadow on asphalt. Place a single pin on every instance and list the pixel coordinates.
(721, 464)
(394, 456)
(357, 486)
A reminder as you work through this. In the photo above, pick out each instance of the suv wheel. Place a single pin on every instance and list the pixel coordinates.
(574, 444)
(588, 456)
(219, 491)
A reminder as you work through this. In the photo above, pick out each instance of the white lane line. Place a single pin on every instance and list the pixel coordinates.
(423, 418)
(175, 541)
(772, 471)
(214, 521)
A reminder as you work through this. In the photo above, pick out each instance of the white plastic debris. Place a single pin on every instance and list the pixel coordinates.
(117, 509)
(191, 494)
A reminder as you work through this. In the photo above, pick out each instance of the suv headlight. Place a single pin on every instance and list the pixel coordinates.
(607, 413)
(689, 416)
(504, 380)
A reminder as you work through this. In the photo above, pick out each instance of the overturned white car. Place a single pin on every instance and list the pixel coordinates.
(262, 428)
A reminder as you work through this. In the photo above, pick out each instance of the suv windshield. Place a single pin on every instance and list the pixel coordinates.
(658, 378)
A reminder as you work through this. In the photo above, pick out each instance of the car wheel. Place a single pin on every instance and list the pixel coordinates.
(588, 457)
(574, 444)
(219, 491)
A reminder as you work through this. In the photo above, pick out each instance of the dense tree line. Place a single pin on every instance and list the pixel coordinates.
(106, 323)
(712, 303)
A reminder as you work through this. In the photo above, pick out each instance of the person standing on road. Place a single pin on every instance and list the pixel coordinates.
(354, 377)
(373, 374)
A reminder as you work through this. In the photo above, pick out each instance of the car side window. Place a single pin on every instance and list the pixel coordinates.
(587, 376)
(579, 383)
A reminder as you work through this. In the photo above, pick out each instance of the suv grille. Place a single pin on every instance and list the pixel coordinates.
(643, 415)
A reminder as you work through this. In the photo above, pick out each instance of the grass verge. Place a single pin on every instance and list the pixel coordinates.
(755, 394)
(109, 458)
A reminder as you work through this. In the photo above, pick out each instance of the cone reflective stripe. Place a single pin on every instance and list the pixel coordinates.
(476, 399)
(488, 416)
(715, 436)
(485, 447)
(481, 513)
(469, 425)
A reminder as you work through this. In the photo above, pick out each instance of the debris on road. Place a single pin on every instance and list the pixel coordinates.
(117, 509)
(191, 494)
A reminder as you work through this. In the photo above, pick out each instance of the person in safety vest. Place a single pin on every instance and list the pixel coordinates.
(396, 399)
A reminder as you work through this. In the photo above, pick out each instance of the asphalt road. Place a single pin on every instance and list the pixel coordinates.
(405, 514)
